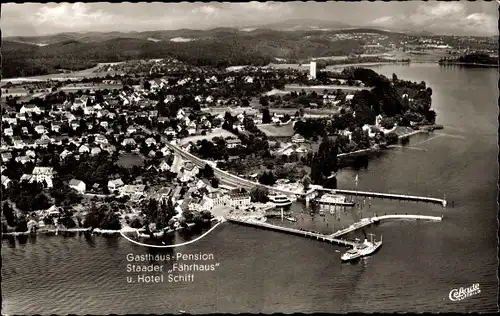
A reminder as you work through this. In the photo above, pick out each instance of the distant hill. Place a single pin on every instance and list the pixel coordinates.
(220, 47)
(303, 25)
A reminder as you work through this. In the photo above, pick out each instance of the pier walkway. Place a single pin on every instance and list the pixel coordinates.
(368, 221)
(231, 179)
(293, 231)
(333, 238)
(388, 196)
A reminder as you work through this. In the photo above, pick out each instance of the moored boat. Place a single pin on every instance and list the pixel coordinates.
(362, 249)
(280, 200)
(334, 199)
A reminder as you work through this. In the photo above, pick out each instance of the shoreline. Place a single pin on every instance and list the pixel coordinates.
(98, 231)
(478, 65)
(377, 148)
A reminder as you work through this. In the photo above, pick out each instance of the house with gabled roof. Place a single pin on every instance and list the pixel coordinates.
(164, 166)
(131, 130)
(101, 139)
(6, 157)
(23, 159)
(129, 141)
(29, 109)
(18, 142)
(40, 129)
(65, 154)
(78, 185)
(150, 141)
(8, 132)
(5, 182)
(95, 151)
(114, 185)
(83, 149)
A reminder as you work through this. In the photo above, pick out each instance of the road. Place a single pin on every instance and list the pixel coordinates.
(223, 176)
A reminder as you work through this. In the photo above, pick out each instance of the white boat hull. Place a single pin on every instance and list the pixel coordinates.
(337, 203)
(362, 253)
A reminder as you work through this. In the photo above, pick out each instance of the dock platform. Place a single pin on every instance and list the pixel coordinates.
(293, 231)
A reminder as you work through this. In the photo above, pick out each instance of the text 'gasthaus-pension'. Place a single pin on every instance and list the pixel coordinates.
(173, 268)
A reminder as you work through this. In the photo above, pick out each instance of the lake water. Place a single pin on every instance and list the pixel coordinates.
(262, 271)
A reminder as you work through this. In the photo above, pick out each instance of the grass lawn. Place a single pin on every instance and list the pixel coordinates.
(128, 160)
(278, 131)
(217, 132)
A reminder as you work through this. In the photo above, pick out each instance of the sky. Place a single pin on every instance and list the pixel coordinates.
(456, 18)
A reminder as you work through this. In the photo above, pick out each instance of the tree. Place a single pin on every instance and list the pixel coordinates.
(102, 217)
(259, 194)
(136, 223)
(306, 182)
(206, 172)
(8, 212)
(264, 101)
(188, 216)
(324, 161)
(267, 178)
(67, 220)
(266, 116)
(22, 225)
(214, 182)
(147, 85)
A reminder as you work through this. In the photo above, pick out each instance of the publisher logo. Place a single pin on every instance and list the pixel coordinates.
(462, 293)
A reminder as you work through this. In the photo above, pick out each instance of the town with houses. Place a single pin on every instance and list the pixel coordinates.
(100, 153)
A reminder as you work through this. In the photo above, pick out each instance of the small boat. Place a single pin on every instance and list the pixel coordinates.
(334, 199)
(362, 250)
(291, 219)
(182, 311)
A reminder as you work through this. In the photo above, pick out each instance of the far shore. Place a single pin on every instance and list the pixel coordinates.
(452, 63)
(377, 148)
(97, 231)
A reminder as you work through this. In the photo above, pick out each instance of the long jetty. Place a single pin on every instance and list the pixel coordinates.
(231, 179)
(369, 221)
(293, 231)
(388, 196)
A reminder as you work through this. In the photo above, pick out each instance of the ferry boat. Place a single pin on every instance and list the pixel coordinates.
(280, 200)
(334, 199)
(362, 250)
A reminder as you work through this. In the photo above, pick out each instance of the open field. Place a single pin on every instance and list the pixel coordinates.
(217, 132)
(298, 88)
(74, 88)
(129, 160)
(277, 131)
(74, 75)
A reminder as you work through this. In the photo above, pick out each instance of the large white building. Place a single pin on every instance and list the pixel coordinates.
(312, 70)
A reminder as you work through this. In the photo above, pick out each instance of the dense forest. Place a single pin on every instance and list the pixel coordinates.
(482, 59)
(220, 49)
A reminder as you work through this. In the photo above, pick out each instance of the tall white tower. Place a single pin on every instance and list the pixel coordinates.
(312, 70)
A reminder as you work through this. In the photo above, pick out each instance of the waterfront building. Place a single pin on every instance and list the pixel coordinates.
(239, 198)
(297, 138)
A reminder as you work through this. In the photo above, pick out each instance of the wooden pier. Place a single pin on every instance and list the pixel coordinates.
(293, 231)
(369, 221)
(388, 196)
(333, 238)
